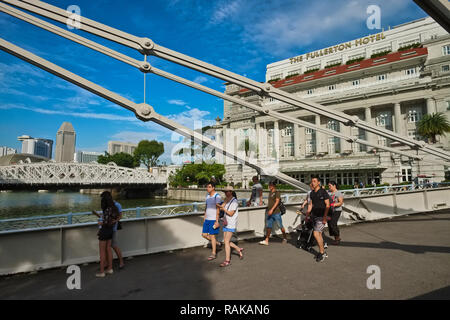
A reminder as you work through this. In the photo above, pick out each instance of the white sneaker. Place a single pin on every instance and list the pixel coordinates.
(264, 243)
(100, 275)
(110, 271)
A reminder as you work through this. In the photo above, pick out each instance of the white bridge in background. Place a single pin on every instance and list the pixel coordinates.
(65, 174)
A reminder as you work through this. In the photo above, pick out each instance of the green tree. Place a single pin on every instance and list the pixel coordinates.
(148, 152)
(199, 174)
(122, 159)
(432, 125)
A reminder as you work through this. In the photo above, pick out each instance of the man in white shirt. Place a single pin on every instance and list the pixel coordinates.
(256, 199)
(211, 219)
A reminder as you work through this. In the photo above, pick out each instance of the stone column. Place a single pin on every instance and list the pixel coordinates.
(276, 135)
(345, 145)
(431, 106)
(302, 140)
(399, 124)
(321, 146)
(297, 140)
(370, 137)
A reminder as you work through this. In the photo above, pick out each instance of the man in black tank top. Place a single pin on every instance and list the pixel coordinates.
(318, 208)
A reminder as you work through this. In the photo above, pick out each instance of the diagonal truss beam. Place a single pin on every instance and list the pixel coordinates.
(143, 112)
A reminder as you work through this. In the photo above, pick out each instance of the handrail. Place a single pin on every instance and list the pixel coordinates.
(164, 211)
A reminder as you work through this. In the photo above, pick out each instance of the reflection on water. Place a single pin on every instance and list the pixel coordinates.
(26, 204)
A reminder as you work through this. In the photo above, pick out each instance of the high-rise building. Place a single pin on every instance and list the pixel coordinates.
(390, 79)
(4, 151)
(36, 146)
(86, 156)
(65, 143)
(117, 146)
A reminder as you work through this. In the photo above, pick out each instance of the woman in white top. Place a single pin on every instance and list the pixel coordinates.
(230, 208)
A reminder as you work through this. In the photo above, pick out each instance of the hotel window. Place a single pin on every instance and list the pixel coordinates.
(288, 131)
(309, 131)
(384, 119)
(446, 50)
(310, 146)
(414, 115)
(333, 62)
(333, 125)
(332, 87)
(310, 91)
(316, 66)
(382, 77)
(410, 72)
(288, 149)
(406, 174)
(333, 145)
(357, 56)
(446, 68)
(379, 50)
(276, 76)
(356, 82)
(294, 72)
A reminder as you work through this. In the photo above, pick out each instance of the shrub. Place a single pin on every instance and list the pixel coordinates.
(354, 60)
(411, 46)
(310, 71)
(380, 54)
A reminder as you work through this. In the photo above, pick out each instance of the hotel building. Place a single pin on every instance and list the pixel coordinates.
(390, 79)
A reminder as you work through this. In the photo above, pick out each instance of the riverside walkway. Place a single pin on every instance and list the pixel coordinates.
(413, 253)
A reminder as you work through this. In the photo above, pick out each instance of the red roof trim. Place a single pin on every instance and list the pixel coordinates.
(391, 57)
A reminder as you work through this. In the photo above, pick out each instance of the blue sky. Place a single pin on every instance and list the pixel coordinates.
(241, 36)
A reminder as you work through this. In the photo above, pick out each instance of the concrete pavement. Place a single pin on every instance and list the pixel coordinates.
(412, 252)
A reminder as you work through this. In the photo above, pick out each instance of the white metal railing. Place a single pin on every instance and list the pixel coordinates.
(51, 173)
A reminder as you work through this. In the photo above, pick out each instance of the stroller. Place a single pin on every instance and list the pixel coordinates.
(305, 237)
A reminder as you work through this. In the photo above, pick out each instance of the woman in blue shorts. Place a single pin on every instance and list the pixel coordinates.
(230, 207)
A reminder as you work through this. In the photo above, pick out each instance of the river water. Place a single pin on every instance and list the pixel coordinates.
(27, 204)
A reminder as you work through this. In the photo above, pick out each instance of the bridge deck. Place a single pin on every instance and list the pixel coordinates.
(413, 253)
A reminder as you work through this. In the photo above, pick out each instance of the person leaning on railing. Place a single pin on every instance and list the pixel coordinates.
(106, 222)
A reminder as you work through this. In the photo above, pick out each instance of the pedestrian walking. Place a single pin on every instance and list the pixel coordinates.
(256, 198)
(336, 203)
(230, 208)
(273, 214)
(318, 209)
(211, 224)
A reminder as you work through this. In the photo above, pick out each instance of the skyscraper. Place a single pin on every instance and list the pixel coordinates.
(36, 146)
(65, 143)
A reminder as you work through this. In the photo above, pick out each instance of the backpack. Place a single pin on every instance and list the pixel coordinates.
(282, 207)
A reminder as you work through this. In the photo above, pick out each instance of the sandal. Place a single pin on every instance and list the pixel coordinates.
(241, 255)
(225, 263)
(212, 257)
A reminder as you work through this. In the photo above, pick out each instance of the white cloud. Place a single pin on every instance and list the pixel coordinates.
(192, 118)
(224, 11)
(200, 79)
(134, 136)
(177, 102)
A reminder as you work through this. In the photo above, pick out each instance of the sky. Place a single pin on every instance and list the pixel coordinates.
(240, 36)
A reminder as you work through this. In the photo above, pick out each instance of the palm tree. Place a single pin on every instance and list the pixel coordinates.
(432, 125)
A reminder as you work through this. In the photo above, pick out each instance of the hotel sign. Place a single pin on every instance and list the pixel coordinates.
(339, 47)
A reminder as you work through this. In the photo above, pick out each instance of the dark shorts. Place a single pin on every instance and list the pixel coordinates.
(105, 234)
